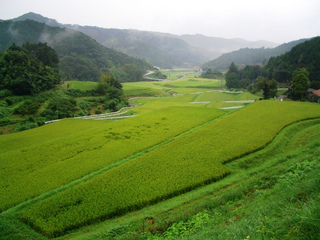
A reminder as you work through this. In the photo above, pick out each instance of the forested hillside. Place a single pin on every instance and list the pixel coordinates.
(162, 49)
(305, 55)
(298, 69)
(81, 57)
(249, 56)
(224, 45)
(31, 92)
(28, 70)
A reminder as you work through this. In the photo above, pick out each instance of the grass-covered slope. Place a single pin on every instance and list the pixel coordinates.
(85, 179)
(33, 163)
(178, 166)
(272, 194)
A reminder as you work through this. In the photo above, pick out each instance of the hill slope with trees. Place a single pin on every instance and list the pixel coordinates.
(223, 45)
(305, 55)
(28, 70)
(249, 56)
(81, 57)
(297, 69)
(161, 49)
(31, 92)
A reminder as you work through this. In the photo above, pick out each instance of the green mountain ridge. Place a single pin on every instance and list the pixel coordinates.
(304, 55)
(249, 56)
(162, 49)
(223, 45)
(81, 57)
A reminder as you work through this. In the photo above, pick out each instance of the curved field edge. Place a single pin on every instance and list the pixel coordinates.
(254, 172)
(91, 175)
(278, 191)
(183, 206)
(45, 163)
(194, 160)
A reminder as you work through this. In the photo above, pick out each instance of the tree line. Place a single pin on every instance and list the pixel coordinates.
(30, 87)
(298, 69)
(29, 69)
(80, 57)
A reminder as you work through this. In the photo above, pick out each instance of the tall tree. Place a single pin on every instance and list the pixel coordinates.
(232, 77)
(269, 87)
(299, 85)
(41, 51)
(109, 85)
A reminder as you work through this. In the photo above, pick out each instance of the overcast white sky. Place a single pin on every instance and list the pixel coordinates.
(272, 20)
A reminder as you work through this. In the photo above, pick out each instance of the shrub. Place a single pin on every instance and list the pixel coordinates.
(25, 126)
(4, 112)
(28, 107)
(5, 93)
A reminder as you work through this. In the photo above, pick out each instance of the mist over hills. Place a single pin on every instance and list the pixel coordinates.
(249, 56)
(81, 57)
(222, 45)
(161, 49)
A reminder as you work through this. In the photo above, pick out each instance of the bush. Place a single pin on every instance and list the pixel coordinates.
(28, 107)
(62, 105)
(85, 105)
(13, 99)
(4, 112)
(98, 111)
(3, 104)
(25, 126)
(5, 93)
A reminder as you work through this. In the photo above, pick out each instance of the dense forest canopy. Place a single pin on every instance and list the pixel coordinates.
(29, 69)
(297, 69)
(249, 56)
(81, 57)
(305, 55)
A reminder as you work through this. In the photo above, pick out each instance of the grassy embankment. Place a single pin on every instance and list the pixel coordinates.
(235, 199)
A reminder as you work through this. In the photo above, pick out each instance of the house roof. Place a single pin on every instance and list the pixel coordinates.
(317, 92)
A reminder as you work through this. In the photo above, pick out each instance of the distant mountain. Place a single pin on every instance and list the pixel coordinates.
(223, 45)
(38, 18)
(161, 49)
(249, 56)
(81, 57)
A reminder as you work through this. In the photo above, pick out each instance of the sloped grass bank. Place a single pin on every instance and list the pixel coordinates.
(272, 194)
(177, 167)
(35, 162)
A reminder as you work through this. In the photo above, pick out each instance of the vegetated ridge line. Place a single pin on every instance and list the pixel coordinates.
(105, 169)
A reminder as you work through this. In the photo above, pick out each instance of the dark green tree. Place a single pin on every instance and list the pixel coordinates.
(233, 68)
(299, 85)
(269, 87)
(22, 73)
(232, 80)
(232, 77)
(109, 85)
(43, 53)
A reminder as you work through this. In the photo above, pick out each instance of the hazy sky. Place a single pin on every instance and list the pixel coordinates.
(273, 20)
